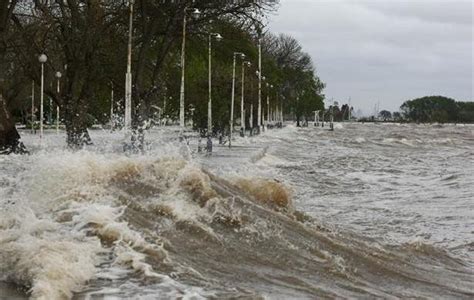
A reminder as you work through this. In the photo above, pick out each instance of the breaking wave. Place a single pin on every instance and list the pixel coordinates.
(93, 224)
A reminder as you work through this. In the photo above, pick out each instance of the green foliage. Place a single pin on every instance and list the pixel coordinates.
(466, 112)
(92, 41)
(437, 109)
(294, 74)
(385, 115)
(397, 116)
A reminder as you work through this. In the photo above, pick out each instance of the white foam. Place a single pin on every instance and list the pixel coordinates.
(45, 237)
(52, 259)
(271, 160)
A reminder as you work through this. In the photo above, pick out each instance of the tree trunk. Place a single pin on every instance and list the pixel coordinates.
(9, 137)
(75, 116)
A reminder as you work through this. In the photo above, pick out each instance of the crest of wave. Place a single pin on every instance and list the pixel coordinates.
(73, 212)
(65, 219)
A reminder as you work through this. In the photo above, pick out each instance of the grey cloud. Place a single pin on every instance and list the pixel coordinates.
(384, 50)
(437, 11)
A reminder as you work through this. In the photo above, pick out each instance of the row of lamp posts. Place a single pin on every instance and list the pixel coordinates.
(196, 13)
(128, 82)
(43, 59)
(211, 36)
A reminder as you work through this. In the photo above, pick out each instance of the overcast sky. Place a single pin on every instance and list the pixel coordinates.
(385, 50)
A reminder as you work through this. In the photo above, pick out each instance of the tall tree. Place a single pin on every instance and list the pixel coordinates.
(295, 73)
(9, 137)
(385, 115)
(431, 109)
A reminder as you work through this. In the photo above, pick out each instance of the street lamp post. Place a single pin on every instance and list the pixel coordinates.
(279, 105)
(260, 108)
(128, 75)
(262, 114)
(272, 113)
(251, 119)
(218, 38)
(265, 119)
(58, 77)
(42, 59)
(33, 107)
(268, 102)
(196, 13)
(231, 123)
(50, 110)
(112, 121)
(281, 110)
(242, 111)
(259, 114)
(276, 108)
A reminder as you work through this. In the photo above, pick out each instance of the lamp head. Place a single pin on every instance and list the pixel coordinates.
(42, 58)
(196, 13)
(218, 37)
(58, 75)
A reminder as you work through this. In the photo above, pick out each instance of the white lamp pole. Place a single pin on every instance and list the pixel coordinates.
(231, 122)
(42, 59)
(259, 113)
(265, 123)
(218, 37)
(276, 108)
(275, 111)
(33, 106)
(281, 111)
(251, 118)
(112, 125)
(196, 13)
(268, 102)
(58, 77)
(128, 75)
(261, 117)
(242, 111)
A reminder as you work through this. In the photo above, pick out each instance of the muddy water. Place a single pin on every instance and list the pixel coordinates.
(364, 211)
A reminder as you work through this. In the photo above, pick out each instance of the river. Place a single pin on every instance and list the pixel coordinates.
(367, 210)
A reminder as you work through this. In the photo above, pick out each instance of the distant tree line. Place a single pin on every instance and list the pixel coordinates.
(87, 42)
(438, 109)
(430, 109)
